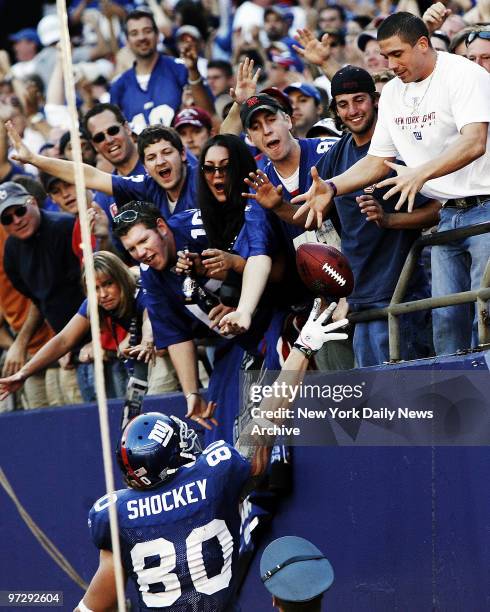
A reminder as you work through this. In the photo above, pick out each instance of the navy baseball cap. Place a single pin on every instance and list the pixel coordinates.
(257, 103)
(294, 569)
(12, 194)
(305, 88)
(26, 34)
(350, 80)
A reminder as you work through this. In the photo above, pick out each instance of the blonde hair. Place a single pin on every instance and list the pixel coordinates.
(110, 264)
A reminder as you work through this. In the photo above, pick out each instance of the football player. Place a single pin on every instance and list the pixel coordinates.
(179, 519)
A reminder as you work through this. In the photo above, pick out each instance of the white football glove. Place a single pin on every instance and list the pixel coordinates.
(315, 334)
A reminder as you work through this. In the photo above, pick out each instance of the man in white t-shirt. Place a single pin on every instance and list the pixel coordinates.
(435, 117)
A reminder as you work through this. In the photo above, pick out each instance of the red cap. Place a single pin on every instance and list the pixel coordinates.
(192, 116)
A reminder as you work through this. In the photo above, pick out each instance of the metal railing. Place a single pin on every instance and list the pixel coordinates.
(396, 308)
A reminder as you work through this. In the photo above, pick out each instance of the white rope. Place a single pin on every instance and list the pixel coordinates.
(40, 536)
(91, 294)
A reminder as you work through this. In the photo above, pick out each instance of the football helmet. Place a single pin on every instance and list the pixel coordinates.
(153, 446)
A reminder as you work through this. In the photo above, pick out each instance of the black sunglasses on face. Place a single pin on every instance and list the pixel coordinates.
(210, 169)
(8, 218)
(111, 131)
(484, 34)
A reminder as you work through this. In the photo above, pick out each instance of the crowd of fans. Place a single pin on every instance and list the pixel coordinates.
(199, 122)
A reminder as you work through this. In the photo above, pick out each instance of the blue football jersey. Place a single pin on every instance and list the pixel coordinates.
(106, 201)
(159, 103)
(180, 540)
(173, 320)
(143, 187)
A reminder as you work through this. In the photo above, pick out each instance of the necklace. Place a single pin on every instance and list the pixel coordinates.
(417, 102)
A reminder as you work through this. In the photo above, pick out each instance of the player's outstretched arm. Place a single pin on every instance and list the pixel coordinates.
(101, 594)
(63, 169)
(314, 334)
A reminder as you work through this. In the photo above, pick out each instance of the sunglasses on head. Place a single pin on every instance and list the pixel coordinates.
(8, 218)
(127, 216)
(484, 34)
(210, 169)
(111, 131)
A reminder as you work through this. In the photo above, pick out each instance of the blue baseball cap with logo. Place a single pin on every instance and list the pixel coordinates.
(12, 194)
(293, 569)
(26, 34)
(305, 88)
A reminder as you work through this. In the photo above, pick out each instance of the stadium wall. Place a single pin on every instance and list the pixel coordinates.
(404, 528)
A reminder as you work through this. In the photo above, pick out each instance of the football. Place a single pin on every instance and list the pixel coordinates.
(324, 270)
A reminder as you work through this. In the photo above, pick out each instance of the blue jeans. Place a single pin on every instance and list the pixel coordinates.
(458, 266)
(370, 341)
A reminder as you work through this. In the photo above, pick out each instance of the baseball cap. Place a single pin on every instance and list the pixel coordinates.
(304, 88)
(188, 29)
(26, 34)
(364, 38)
(47, 180)
(324, 127)
(256, 103)
(48, 30)
(294, 569)
(12, 194)
(351, 79)
(280, 96)
(192, 116)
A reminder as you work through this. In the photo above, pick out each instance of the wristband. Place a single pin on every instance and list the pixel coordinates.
(83, 608)
(192, 393)
(333, 186)
(307, 352)
(195, 82)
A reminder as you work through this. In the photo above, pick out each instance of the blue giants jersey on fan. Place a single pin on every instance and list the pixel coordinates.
(172, 320)
(159, 102)
(146, 189)
(180, 540)
(312, 150)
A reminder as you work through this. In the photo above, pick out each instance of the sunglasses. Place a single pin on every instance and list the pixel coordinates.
(8, 218)
(101, 136)
(128, 216)
(484, 34)
(210, 169)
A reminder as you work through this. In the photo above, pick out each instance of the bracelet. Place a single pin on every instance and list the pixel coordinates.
(196, 82)
(307, 352)
(333, 187)
(83, 608)
(192, 393)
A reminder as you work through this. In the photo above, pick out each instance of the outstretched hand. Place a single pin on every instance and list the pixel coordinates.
(235, 322)
(316, 200)
(315, 333)
(313, 50)
(10, 384)
(266, 194)
(408, 182)
(201, 411)
(22, 153)
(246, 81)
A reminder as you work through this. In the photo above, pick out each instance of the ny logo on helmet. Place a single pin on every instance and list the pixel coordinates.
(161, 432)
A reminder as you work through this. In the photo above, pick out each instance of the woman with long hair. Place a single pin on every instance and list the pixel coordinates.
(124, 325)
(240, 234)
